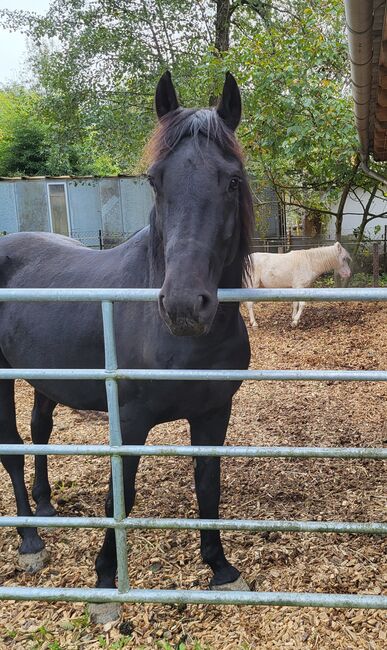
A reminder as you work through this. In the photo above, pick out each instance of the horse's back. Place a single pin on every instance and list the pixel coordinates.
(272, 270)
(65, 334)
(25, 257)
(40, 259)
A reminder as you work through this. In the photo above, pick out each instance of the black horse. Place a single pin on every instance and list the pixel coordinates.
(197, 241)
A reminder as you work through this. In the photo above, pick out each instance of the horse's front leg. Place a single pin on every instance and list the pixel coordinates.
(210, 429)
(250, 310)
(134, 431)
(297, 316)
(294, 312)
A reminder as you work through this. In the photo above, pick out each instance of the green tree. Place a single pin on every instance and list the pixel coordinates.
(299, 129)
(29, 143)
(97, 65)
(23, 147)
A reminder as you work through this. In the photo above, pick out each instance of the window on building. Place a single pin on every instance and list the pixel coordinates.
(58, 208)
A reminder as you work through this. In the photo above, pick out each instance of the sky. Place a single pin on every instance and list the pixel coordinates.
(13, 46)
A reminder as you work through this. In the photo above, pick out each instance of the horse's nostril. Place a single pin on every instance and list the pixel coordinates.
(203, 302)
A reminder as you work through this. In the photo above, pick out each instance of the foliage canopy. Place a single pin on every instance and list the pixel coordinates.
(96, 64)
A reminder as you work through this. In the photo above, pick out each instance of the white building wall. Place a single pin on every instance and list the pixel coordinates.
(353, 214)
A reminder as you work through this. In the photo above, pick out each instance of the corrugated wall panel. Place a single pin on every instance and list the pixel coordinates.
(32, 205)
(8, 214)
(112, 222)
(136, 201)
(85, 209)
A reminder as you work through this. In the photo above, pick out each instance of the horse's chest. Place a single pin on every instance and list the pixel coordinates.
(170, 400)
(174, 400)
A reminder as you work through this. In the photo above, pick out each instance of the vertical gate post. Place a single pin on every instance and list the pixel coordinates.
(119, 511)
(375, 264)
(289, 240)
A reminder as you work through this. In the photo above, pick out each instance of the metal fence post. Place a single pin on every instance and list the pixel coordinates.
(375, 264)
(119, 511)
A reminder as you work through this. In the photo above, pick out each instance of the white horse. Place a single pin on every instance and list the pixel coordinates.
(297, 269)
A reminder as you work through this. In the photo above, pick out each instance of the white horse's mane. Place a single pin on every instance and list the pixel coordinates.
(325, 258)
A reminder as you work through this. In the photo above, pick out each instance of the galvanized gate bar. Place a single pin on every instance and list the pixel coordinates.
(151, 374)
(359, 453)
(117, 475)
(119, 522)
(224, 295)
(174, 597)
(156, 523)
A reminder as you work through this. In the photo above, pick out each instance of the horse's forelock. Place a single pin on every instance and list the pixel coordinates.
(183, 123)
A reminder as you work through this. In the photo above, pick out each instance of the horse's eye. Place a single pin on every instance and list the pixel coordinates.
(234, 184)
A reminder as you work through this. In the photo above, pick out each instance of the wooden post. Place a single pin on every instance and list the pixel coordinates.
(280, 249)
(375, 263)
(289, 239)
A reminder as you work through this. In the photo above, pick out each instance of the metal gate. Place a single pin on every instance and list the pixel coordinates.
(111, 374)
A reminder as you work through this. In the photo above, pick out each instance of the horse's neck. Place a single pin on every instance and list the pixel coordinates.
(156, 259)
(322, 259)
(232, 275)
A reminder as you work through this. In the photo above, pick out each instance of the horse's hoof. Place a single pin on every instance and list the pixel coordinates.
(294, 324)
(33, 562)
(239, 584)
(102, 613)
(255, 326)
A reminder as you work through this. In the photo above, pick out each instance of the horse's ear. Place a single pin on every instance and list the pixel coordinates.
(230, 105)
(338, 246)
(165, 98)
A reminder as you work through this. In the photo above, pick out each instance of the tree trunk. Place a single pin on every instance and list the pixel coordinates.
(222, 25)
(364, 220)
(343, 198)
(222, 35)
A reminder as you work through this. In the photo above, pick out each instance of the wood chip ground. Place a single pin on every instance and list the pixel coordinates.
(336, 336)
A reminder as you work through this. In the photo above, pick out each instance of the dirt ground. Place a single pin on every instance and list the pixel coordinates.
(346, 336)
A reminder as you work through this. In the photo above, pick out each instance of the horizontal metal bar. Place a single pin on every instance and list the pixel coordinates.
(156, 523)
(225, 295)
(142, 374)
(171, 374)
(171, 596)
(375, 453)
(309, 295)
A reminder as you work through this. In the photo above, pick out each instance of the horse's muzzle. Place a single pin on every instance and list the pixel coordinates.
(187, 314)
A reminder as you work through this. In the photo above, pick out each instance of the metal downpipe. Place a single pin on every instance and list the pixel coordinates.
(359, 21)
(371, 174)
